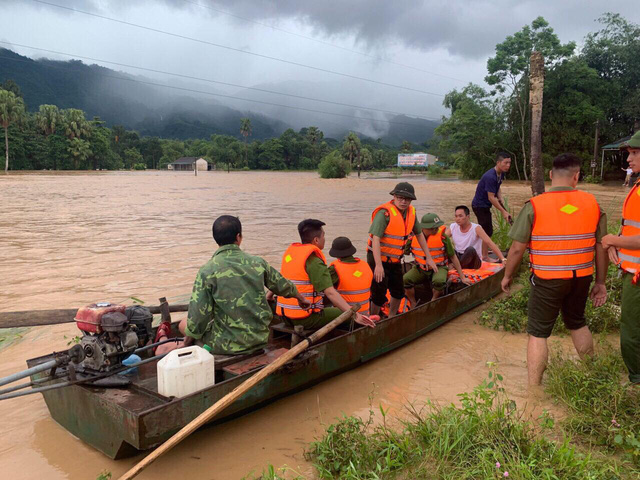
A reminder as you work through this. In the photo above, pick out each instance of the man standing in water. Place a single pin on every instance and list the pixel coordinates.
(563, 229)
(488, 194)
(391, 225)
(228, 309)
(624, 251)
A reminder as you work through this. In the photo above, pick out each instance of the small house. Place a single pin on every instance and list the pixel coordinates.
(188, 163)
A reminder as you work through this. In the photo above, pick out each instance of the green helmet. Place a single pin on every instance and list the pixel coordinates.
(404, 189)
(633, 142)
(431, 220)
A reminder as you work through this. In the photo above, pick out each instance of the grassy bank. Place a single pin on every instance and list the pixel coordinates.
(485, 437)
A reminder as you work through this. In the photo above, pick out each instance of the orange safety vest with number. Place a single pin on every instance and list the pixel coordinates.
(563, 237)
(354, 283)
(630, 258)
(396, 233)
(293, 269)
(436, 246)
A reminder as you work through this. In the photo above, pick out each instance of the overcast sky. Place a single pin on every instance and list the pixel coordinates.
(401, 40)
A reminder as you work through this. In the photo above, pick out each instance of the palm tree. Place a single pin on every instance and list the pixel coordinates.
(245, 131)
(48, 120)
(75, 125)
(314, 136)
(11, 111)
(80, 150)
(351, 147)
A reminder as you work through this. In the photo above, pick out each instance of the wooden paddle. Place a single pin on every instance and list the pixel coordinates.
(229, 398)
(34, 318)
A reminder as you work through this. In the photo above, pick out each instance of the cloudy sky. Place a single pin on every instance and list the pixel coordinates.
(420, 49)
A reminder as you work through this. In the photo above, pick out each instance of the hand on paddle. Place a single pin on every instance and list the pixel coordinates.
(598, 294)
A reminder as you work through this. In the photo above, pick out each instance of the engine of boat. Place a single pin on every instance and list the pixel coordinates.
(105, 351)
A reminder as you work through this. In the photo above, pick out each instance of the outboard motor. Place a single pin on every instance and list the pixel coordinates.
(109, 336)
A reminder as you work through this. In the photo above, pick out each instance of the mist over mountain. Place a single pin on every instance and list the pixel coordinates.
(142, 104)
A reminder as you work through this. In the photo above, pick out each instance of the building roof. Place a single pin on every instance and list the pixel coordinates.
(186, 160)
(616, 145)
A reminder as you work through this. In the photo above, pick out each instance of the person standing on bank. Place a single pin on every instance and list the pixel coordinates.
(468, 239)
(624, 251)
(351, 276)
(305, 266)
(391, 225)
(563, 229)
(488, 194)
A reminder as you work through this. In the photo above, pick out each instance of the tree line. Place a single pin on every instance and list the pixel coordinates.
(64, 139)
(598, 83)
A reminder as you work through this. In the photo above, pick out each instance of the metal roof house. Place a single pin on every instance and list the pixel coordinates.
(188, 163)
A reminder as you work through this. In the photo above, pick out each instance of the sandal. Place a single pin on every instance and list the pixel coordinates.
(164, 330)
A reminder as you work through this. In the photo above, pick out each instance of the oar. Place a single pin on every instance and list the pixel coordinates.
(34, 318)
(229, 398)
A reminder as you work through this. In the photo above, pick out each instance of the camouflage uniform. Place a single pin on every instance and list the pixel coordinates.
(228, 308)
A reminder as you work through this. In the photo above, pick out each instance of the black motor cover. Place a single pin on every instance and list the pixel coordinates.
(114, 322)
(142, 318)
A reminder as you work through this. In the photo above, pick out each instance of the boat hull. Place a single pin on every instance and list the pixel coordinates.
(120, 422)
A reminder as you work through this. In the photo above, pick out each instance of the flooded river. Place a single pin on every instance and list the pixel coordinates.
(73, 239)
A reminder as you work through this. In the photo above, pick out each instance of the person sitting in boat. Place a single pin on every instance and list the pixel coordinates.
(305, 265)
(350, 275)
(228, 309)
(443, 254)
(391, 225)
(467, 239)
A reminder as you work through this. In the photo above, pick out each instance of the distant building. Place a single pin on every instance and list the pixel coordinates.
(187, 163)
(416, 159)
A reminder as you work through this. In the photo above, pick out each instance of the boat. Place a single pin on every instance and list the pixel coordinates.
(122, 421)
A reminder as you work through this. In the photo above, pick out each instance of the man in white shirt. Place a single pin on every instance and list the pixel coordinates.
(467, 239)
(627, 180)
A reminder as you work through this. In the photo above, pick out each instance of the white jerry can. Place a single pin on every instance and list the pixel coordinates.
(184, 371)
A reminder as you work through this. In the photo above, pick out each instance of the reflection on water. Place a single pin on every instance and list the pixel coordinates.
(69, 240)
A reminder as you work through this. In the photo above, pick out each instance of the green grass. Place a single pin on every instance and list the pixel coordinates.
(9, 336)
(485, 437)
(510, 313)
(603, 408)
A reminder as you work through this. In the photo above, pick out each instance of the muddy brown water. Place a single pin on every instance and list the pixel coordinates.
(72, 239)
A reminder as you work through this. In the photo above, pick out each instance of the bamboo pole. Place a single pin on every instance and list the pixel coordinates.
(536, 89)
(231, 397)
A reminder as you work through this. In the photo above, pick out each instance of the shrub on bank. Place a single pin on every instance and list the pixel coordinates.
(139, 166)
(334, 166)
(602, 409)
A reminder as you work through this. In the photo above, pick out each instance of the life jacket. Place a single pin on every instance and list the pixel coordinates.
(563, 237)
(436, 246)
(396, 233)
(475, 274)
(293, 269)
(629, 258)
(354, 283)
(402, 308)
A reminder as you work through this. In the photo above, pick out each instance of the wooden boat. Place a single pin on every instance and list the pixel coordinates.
(120, 422)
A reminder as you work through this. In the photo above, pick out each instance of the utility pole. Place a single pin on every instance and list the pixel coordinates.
(594, 161)
(536, 90)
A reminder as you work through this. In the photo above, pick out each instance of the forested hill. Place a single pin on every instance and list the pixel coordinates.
(120, 98)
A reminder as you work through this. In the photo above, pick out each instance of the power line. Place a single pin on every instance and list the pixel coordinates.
(202, 92)
(323, 42)
(205, 42)
(216, 81)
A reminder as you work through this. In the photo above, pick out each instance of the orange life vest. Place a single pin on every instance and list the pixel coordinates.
(402, 308)
(354, 282)
(436, 246)
(396, 233)
(293, 269)
(630, 259)
(476, 274)
(563, 238)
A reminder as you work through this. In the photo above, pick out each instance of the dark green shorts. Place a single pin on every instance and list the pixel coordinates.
(316, 320)
(418, 276)
(549, 297)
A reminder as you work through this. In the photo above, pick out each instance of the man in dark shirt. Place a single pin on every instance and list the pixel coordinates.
(488, 194)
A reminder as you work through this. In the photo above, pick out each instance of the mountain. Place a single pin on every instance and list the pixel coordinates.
(142, 104)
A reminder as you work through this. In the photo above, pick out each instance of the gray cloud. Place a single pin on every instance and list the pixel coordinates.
(465, 28)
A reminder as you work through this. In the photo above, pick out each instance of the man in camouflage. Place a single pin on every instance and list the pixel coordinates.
(228, 309)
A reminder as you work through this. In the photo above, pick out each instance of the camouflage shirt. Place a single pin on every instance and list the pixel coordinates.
(228, 308)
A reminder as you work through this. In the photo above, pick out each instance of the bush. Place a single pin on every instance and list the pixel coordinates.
(435, 170)
(334, 166)
(139, 166)
(590, 179)
(245, 169)
(602, 409)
